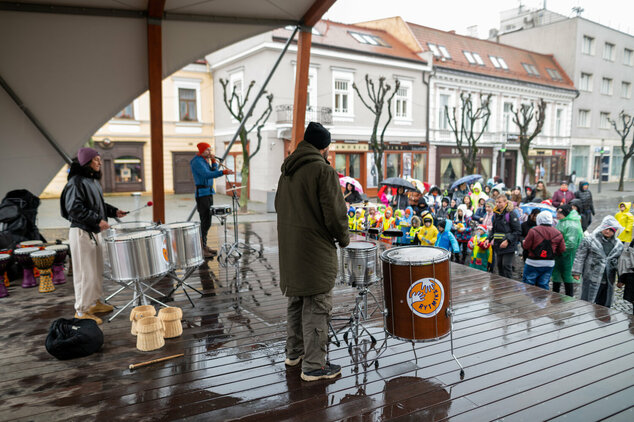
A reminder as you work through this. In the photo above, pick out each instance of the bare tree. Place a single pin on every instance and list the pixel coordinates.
(377, 100)
(467, 131)
(623, 129)
(523, 119)
(236, 105)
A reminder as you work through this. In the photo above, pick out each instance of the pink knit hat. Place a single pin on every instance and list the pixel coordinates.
(84, 155)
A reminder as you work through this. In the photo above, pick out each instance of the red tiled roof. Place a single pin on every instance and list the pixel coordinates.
(337, 35)
(514, 57)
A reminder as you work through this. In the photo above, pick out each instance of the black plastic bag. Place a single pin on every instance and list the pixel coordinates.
(73, 338)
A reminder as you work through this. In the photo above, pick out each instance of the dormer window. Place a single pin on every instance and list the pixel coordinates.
(530, 69)
(473, 58)
(368, 39)
(554, 74)
(498, 62)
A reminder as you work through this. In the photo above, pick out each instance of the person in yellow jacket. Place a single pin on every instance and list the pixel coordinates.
(625, 219)
(428, 232)
(351, 218)
(414, 230)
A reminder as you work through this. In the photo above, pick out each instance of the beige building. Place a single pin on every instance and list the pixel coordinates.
(124, 141)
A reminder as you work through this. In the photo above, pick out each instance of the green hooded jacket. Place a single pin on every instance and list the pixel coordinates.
(311, 215)
(570, 228)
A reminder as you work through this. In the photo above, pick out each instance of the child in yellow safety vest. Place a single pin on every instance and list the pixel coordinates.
(428, 232)
(351, 218)
(414, 230)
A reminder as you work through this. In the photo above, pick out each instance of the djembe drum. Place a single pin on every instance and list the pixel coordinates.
(61, 251)
(3, 274)
(33, 244)
(23, 256)
(4, 263)
(44, 261)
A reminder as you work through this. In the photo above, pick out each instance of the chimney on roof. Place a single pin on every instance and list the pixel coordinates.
(453, 31)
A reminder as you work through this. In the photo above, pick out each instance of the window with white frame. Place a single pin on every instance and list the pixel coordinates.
(469, 57)
(628, 57)
(443, 120)
(444, 52)
(503, 63)
(559, 116)
(187, 92)
(126, 113)
(587, 45)
(478, 59)
(608, 51)
(584, 118)
(606, 86)
(403, 101)
(311, 90)
(236, 84)
(507, 117)
(434, 49)
(585, 82)
(342, 93)
(495, 62)
(603, 121)
(626, 90)
(530, 69)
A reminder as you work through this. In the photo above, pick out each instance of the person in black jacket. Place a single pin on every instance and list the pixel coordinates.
(400, 201)
(531, 221)
(83, 205)
(585, 196)
(351, 195)
(505, 233)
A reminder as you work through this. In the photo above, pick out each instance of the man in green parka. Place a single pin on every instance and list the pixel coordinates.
(311, 217)
(569, 224)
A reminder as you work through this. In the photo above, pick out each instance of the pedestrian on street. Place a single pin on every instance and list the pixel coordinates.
(569, 224)
(540, 193)
(597, 262)
(505, 234)
(625, 219)
(530, 195)
(82, 204)
(309, 187)
(563, 195)
(585, 196)
(204, 174)
(544, 243)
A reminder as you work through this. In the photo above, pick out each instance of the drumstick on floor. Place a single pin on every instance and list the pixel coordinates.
(150, 362)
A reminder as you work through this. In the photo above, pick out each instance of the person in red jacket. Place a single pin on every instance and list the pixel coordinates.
(563, 195)
(543, 243)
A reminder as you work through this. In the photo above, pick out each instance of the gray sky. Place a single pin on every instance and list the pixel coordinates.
(460, 14)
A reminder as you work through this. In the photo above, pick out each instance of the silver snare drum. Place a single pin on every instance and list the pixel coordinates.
(138, 255)
(360, 264)
(184, 244)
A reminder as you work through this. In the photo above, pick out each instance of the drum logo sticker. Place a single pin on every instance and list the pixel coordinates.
(425, 297)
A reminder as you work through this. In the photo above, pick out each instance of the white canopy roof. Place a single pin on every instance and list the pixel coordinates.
(75, 63)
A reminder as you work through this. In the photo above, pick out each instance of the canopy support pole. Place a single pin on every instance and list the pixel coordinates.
(155, 80)
(301, 86)
(34, 120)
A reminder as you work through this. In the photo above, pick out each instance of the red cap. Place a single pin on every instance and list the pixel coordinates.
(202, 147)
(150, 203)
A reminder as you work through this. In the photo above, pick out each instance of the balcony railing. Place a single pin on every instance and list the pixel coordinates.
(321, 115)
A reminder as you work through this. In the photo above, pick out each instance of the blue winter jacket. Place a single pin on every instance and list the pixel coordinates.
(446, 239)
(204, 175)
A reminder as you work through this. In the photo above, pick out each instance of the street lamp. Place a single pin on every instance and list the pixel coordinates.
(601, 152)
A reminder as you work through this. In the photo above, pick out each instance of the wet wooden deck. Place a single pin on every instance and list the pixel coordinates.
(528, 354)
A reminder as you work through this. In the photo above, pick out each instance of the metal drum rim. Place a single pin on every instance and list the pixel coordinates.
(113, 238)
(387, 259)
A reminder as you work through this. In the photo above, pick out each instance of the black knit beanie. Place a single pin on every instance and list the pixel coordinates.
(317, 135)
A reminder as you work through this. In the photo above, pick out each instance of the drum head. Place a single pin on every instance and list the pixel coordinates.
(28, 243)
(4, 257)
(180, 225)
(42, 254)
(25, 251)
(133, 226)
(137, 235)
(56, 248)
(361, 245)
(415, 255)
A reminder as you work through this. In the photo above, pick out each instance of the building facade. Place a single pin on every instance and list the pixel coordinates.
(124, 141)
(341, 55)
(601, 62)
(513, 77)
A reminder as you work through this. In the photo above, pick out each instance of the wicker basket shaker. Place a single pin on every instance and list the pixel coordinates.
(138, 313)
(150, 333)
(171, 318)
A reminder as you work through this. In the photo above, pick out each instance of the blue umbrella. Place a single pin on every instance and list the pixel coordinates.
(527, 208)
(467, 179)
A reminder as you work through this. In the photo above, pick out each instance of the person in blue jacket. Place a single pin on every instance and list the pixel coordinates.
(204, 175)
(446, 239)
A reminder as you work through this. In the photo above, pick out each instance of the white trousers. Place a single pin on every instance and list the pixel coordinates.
(87, 253)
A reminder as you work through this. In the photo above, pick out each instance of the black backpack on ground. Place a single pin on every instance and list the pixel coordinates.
(73, 338)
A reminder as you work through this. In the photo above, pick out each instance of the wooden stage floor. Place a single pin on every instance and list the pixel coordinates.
(529, 354)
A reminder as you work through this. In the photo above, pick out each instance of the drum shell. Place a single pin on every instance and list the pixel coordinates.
(140, 258)
(400, 321)
(359, 265)
(185, 247)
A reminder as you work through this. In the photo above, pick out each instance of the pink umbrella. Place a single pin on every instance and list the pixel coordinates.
(347, 179)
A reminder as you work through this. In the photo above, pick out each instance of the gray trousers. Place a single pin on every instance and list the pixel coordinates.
(307, 329)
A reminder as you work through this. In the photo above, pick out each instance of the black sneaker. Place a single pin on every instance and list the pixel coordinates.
(327, 372)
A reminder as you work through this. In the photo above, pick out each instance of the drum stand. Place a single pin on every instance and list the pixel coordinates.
(359, 315)
(230, 253)
(180, 282)
(140, 289)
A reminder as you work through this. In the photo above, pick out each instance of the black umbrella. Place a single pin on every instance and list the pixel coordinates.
(466, 179)
(398, 182)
